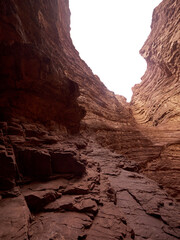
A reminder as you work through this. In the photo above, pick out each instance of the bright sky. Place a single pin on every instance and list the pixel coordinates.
(108, 35)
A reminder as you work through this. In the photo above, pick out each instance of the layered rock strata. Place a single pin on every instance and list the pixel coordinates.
(156, 100)
(71, 152)
(98, 195)
(54, 191)
(33, 82)
(44, 79)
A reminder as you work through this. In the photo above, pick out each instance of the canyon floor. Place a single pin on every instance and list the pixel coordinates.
(98, 195)
(76, 160)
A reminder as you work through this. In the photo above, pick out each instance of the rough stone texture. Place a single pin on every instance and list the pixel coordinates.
(65, 193)
(37, 156)
(67, 162)
(156, 100)
(72, 153)
(76, 208)
(15, 217)
(32, 66)
(44, 79)
(148, 209)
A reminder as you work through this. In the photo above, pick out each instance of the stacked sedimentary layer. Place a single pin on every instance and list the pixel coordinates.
(44, 79)
(33, 83)
(71, 151)
(156, 100)
(69, 187)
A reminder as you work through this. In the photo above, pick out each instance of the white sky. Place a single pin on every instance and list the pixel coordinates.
(108, 35)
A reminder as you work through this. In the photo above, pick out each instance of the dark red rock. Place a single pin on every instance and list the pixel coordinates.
(33, 162)
(37, 200)
(7, 170)
(32, 130)
(77, 204)
(68, 225)
(11, 193)
(28, 65)
(13, 130)
(15, 217)
(109, 225)
(48, 93)
(67, 162)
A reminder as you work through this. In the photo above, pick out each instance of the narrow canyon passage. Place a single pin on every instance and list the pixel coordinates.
(76, 160)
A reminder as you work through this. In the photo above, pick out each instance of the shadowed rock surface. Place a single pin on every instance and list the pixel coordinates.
(73, 154)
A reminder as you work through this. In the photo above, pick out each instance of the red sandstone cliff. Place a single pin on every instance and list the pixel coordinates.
(156, 100)
(71, 152)
(45, 80)
(33, 83)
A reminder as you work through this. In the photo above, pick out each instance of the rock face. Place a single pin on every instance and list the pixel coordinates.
(72, 153)
(59, 193)
(33, 82)
(156, 100)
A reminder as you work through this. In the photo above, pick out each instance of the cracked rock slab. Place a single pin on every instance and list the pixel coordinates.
(15, 217)
(68, 225)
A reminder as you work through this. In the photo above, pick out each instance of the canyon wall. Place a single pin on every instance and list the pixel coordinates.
(72, 153)
(33, 83)
(44, 79)
(156, 100)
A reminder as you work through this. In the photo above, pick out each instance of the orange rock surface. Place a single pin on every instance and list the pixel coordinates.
(73, 155)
